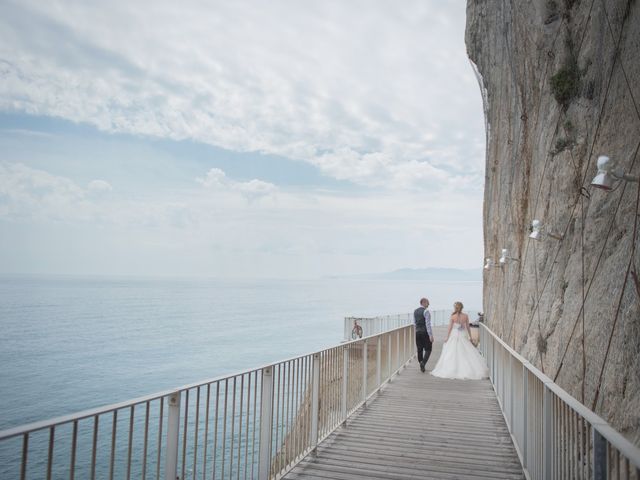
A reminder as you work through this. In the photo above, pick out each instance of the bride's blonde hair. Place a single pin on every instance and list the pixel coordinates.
(457, 308)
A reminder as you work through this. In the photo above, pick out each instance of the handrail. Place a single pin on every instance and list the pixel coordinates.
(555, 435)
(257, 423)
(380, 323)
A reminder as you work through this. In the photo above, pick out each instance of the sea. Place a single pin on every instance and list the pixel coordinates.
(70, 343)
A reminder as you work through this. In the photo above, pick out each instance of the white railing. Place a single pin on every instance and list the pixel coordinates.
(556, 436)
(374, 325)
(254, 424)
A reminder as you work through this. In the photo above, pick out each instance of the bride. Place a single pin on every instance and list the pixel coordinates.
(460, 358)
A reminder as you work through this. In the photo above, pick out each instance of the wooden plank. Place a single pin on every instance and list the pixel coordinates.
(420, 426)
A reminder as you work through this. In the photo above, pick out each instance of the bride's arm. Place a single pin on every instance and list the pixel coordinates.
(449, 331)
(466, 323)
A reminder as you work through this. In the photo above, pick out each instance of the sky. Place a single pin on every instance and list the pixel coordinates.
(238, 139)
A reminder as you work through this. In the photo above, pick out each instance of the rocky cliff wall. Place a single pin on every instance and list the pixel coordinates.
(561, 86)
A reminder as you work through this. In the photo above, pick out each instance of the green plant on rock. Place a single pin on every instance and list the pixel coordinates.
(565, 84)
(562, 144)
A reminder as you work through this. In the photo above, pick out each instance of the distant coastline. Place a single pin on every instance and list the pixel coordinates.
(424, 274)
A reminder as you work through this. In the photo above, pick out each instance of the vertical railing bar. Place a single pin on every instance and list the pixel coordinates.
(94, 448)
(599, 455)
(565, 445)
(287, 449)
(345, 384)
(130, 441)
(293, 426)
(389, 357)
(160, 422)
(305, 393)
(365, 371)
(215, 431)
(525, 413)
(283, 419)
(512, 395)
(52, 432)
(583, 473)
(302, 439)
(146, 440)
(398, 356)
(574, 442)
(556, 406)
(205, 440)
(253, 430)
(25, 456)
(288, 425)
(74, 442)
(113, 443)
(378, 361)
(276, 413)
(285, 411)
(266, 414)
(246, 434)
(184, 434)
(195, 434)
(330, 386)
(224, 427)
(298, 410)
(240, 424)
(233, 425)
(173, 434)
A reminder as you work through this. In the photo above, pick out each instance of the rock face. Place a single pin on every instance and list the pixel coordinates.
(561, 86)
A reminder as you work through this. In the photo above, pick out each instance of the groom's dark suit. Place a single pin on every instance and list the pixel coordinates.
(422, 321)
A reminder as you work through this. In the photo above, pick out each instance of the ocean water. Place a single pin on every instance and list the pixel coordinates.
(71, 343)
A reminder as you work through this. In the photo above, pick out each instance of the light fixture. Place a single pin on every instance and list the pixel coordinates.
(538, 233)
(488, 263)
(608, 174)
(505, 258)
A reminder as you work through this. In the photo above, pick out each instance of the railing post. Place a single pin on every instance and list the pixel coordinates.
(266, 418)
(345, 384)
(173, 432)
(315, 400)
(547, 449)
(405, 339)
(398, 357)
(525, 414)
(365, 370)
(512, 394)
(407, 343)
(378, 361)
(389, 355)
(599, 455)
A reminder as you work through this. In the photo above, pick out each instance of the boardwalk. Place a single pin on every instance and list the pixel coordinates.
(420, 427)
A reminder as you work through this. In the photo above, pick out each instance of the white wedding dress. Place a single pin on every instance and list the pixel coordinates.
(459, 358)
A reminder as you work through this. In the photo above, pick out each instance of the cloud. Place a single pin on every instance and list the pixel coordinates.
(216, 179)
(212, 229)
(376, 93)
(29, 193)
(99, 186)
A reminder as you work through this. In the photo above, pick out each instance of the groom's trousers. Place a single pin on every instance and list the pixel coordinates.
(423, 343)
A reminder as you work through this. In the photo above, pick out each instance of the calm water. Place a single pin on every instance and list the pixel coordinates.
(71, 343)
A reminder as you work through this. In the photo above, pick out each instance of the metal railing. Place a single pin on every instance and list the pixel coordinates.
(374, 325)
(254, 424)
(555, 435)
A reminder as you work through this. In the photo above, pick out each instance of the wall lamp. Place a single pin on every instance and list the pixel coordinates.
(608, 174)
(505, 258)
(538, 232)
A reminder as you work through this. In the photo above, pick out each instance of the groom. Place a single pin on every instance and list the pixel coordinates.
(424, 333)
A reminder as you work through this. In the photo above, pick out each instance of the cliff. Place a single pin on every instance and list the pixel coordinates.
(561, 86)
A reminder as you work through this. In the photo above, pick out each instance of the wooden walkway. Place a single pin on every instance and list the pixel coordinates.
(423, 427)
